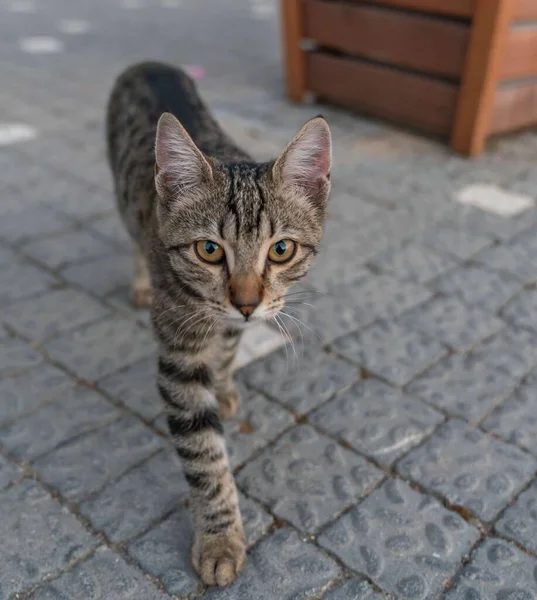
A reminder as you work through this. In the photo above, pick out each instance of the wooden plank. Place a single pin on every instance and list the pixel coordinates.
(292, 18)
(415, 100)
(453, 8)
(515, 107)
(426, 44)
(525, 10)
(520, 55)
(476, 96)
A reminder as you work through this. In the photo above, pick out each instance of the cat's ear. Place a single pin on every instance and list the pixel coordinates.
(180, 165)
(307, 160)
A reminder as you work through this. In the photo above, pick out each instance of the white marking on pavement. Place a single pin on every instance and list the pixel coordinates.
(13, 133)
(41, 45)
(495, 199)
(74, 26)
(262, 9)
(22, 6)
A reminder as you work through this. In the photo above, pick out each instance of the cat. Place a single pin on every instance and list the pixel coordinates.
(219, 240)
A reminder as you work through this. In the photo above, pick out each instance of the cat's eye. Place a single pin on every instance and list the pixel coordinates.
(210, 252)
(282, 251)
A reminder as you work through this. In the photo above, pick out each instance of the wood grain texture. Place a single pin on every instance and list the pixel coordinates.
(525, 10)
(292, 19)
(520, 55)
(454, 8)
(425, 103)
(483, 63)
(425, 44)
(515, 107)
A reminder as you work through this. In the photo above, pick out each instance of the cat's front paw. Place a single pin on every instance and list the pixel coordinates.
(219, 558)
(228, 402)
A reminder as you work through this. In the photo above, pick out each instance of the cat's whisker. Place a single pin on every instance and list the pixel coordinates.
(299, 321)
(299, 331)
(297, 303)
(274, 318)
(304, 292)
(288, 335)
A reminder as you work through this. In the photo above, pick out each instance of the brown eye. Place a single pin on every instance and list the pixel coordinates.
(282, 251)
(209, 252)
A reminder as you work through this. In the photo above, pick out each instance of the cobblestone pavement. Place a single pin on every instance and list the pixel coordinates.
(396, 457)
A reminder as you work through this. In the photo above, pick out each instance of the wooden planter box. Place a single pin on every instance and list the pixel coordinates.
(464, 69)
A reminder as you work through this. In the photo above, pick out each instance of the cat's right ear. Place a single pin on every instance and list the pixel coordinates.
(180, 165)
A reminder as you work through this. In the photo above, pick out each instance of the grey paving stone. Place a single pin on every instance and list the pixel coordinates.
(377, 420)
(452, 323)
(8, 472)
(474, 220)
(128, 506)
(469, 468)
(390, 351)
(38, 538)
(67, 248)
(85, 464)
(406, 542)
(112, 229)
(257, 422)
(497, 570)
(120, 299)
(97, 350)
(300, 386)
(517, 259)
(413, 262)
(456, 243)
(522, 310)
(52, 313)
(478, 287)
(7, 257)
(24, 225)
(330, 271)
(105, 576)
(16, 357)
(519, 521)
(255, 520)
(515, 420)
(356, 305)
(513, 352)
(282, 567)
(136, 387)
(290, 477)
(29, 390)
(78, 411)
(462, 386)
(164, 552)
(78, 200)
(354, 589)
(20, 280)
(102, 276)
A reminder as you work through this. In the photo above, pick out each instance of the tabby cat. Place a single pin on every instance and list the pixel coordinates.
(219, 239)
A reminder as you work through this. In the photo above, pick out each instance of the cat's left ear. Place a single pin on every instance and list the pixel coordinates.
(180, 165)
(306, 162)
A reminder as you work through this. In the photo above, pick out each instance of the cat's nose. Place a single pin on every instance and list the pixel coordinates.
(245, 293)
(246, 309)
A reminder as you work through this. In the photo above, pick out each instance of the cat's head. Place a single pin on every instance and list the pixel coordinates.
(239, 235)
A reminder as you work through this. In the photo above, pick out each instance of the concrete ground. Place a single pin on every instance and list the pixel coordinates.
(394, 457)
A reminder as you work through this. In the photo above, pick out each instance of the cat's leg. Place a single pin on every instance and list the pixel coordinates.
(227, 394)
(186, 386)
(141, 285)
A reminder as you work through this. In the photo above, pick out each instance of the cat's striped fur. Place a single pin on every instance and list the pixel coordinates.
(172, 197)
